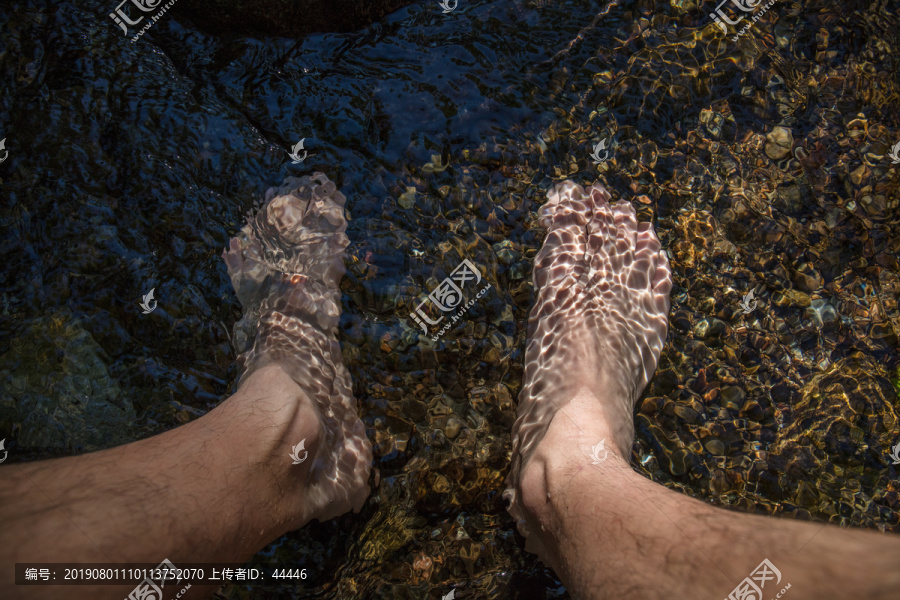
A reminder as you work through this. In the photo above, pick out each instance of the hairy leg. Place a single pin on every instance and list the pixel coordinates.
(595, 335)
(221, 487)
(611, 533)
(215, 490)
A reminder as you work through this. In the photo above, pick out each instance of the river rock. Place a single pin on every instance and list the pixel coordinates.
(779, 143)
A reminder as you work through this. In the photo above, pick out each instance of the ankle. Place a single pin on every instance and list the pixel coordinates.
(582, 438)
(548, 481)
(286, 415)
(273, 418)
(590, 426)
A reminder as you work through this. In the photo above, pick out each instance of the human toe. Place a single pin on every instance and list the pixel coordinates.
(565, 216)
(626, 222)
(567, 206)
(661, 281)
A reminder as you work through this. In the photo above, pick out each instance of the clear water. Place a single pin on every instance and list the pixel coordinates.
(130, 165)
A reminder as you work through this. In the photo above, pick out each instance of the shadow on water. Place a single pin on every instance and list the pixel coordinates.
(763, 163)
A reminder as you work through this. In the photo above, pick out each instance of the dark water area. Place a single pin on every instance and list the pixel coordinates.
(764, 164)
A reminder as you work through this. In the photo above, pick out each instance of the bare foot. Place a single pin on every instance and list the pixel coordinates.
(286, 265)
(594, 339)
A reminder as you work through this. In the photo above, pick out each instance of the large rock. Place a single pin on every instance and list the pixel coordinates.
(286, 17)
(56, 394)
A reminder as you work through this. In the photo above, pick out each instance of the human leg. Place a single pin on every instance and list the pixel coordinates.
(595, 335)
(221, 487)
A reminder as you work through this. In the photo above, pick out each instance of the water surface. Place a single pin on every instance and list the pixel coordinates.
(762, 163)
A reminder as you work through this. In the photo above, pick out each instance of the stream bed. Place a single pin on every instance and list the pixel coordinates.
(764, 163)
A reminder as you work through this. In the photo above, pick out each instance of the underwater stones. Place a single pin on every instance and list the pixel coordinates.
(853, 400)
(715, 447)
(752, 409)
(858, 128)
(502, 397)
(413, 408)
(822, 313)
(699, 237)
(860, 174)
(771, 232)
(388, 343)
(479, 398)
(287, 17)
(408, 198)
(791, 201)
(883, 331)
(805, 495)
(719, 483)
(650, 406)
(452, 428)
(779, 142)
(713, 122)
(503, 343)
(790, 298)
(878, 206)
(440, 484)
(807, 277)
(506, 252)
(681, 320)
(889, 299)
(733, 398)
(687, 414)
(710, 328)
(717, 328)
(60, 392)
(680, 461)
(665, 381)
(437, 165)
